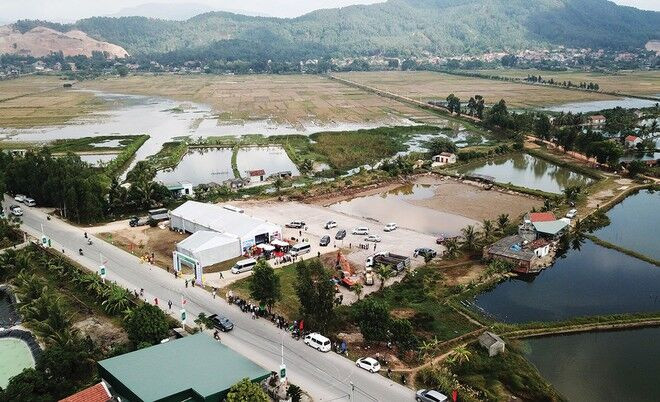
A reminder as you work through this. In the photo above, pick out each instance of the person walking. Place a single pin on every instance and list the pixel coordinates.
(155, 301)
(214, 293)
(169, 304)
(222, 276)
(192, 281)
(254, 316)
(186, 282)
(141, 292)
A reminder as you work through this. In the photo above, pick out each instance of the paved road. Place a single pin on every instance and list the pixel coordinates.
(327, 377)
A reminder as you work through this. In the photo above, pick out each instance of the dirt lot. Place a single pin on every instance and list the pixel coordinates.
(144, 240)
(629, 82)
(473, 201)
(41, 101)
(424, 85)
(289, 99)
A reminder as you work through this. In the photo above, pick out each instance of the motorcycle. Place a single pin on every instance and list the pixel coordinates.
(89, 242)
(80, 251)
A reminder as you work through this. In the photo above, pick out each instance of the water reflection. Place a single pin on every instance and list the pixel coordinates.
(201, 165)
(600, 366)
(525, 170)
(270, 159)
(594, 106)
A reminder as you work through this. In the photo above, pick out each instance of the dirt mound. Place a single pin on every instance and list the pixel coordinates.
(42, 41)
(103, 333)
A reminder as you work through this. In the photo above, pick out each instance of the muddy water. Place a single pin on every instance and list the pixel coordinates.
(525, 170)
(600, 366)
(270, 159)
(591, 281)
(594, 106)
(395, 206)
(164, 120)
(201, 165)
(634, 224)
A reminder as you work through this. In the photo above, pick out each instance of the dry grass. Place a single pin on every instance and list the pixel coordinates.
(144, 240)
(41, 101)
(289, 99)
(628, 82)
(425, 85)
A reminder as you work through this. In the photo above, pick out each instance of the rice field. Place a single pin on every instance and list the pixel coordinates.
(427, 85)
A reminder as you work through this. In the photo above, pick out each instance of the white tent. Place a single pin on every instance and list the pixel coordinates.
(194, 216)
(210, 247)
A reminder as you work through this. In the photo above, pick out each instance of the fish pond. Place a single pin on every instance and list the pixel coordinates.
(634, 223)
(593, 280)
(594, 106)
(15, 356)
(600, 366)
(524, 170)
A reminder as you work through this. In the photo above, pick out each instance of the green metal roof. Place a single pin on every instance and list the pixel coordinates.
(551, 227)
(195, 367)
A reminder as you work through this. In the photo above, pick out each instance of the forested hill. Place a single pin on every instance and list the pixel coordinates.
(397, 27)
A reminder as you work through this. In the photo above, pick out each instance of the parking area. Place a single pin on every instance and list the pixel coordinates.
(400, 241)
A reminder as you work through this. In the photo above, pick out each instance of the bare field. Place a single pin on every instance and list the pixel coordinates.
(426, 85)
(628, 82)
(42, 101)
(288, 99)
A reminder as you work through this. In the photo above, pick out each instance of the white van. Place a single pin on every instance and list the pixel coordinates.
(300, 248)
(361, 231)
(318, 342)
(243, 266)
(30, 202)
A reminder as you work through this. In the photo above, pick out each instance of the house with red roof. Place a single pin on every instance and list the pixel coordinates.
(631, 141)
(95, 393)
(541, 217)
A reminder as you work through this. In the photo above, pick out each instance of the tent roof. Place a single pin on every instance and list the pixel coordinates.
(194, 365)
(204, 240)
(219, 219)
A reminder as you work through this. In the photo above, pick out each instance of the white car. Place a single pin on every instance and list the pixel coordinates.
(373, 238)
(368, 363)
(571, 214)
(16, 210)
(30, 202)
(390, 227)
(361, 231)
(19, 197)
(331, 224)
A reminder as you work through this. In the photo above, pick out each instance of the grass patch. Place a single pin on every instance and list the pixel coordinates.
(562, 162)
(86, 144)
(121, 162)
(350, 149)
(623, 250)
(169, 156)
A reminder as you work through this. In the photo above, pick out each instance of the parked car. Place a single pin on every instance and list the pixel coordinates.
(135, 221)
(361, 231)
(571, 214)
(19, 197)
(340, 234)
(373, 238)
(424, 252)
(368, 363)
(295, 224)
(325, 240)
(16, 210)
(330, 225)
(390, 227)
(318, 342)
(221, 323)
(430, 395)
(30, 202)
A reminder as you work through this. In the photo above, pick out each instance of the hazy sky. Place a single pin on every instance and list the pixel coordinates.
(70, 10)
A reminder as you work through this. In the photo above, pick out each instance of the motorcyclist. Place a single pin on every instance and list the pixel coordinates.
(80, 251)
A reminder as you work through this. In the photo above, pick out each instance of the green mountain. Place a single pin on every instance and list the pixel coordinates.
(396, 27)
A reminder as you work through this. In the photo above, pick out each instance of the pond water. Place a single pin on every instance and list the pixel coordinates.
(648, 156)
(97, 159)
(200, 165)
(600, 366)
(525, 170)
(594, 280)
(8, 316)
(634, 223)
(15, 355)
(271, 159)
(395, 206)
(594, 106)
(165, 120)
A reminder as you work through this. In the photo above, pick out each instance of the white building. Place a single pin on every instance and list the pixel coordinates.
(210, 248)
(445, 158)
(194, 216)
(632, 141)
(181, 189)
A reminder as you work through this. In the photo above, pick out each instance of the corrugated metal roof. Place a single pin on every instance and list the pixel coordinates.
(552, 227)
(193, 364)
(219, 219)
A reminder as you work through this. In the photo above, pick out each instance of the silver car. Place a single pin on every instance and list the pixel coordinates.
(430, 395)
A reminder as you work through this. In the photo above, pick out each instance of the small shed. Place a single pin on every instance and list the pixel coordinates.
(256, 176)
(491, 342)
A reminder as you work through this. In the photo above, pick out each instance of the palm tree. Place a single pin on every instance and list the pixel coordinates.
(488, 229)
(203, 321)
(384, 272)
(459, 355)
(357, 289)
(469, 238)
(452, 248)
(306, 166)
(117, 299)
(29, 288)
(502, 222)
